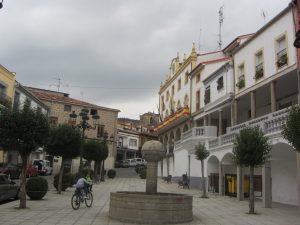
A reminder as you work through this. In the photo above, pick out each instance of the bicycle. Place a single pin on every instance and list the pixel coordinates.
(80, 196)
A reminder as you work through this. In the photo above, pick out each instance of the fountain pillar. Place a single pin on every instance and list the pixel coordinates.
(152, 151)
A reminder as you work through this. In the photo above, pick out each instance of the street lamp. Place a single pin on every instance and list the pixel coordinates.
(83, 124)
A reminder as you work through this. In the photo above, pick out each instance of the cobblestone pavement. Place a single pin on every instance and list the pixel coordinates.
(56, 209)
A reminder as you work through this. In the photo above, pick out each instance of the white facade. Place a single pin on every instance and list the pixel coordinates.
(268, 61)
(267, 43)
(128, 144)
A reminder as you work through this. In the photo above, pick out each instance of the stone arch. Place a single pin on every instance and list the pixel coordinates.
(171, 142)
(213, 173)
(178, 134)
(284, 174)
(185, 127)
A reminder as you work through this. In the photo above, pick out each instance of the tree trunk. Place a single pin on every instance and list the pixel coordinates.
(251, 197)
(89, 167)
(96, 168)
(23, 183)
(61, 172)
(203, 181)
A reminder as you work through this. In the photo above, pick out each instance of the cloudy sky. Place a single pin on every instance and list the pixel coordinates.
(115, 53)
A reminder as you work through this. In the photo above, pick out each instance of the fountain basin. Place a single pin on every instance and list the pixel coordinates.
(159, 208)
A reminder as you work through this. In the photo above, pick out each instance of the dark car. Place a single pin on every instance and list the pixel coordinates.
(12, 171)
(8, 188)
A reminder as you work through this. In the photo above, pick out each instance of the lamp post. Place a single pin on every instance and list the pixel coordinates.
(83, 125)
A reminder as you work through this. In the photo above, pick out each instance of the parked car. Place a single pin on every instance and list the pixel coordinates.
(124, 164)
(8, 188)
(139, 161)
(131, 162)
(43, 166)
(31, 171)
(12, 171)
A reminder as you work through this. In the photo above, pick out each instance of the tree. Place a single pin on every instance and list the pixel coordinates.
(24, 131)
(291, 132)
(92, 151)
(64, 141)
(201, 154)
(251, 148)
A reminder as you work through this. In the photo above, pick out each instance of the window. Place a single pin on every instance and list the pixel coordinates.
(281, 52)
(186, 100)
(53, 120)
(67, 108)
(29, 101)
(220, 83)
(167, 96)
(2, 90)
(241, 77)
(259, 66)
(178, 105)
(173, 90)
(162, 103)
(94, 112)
(197, 77)
(100, 131)
(207, 95)
(186, 77)
(198, 100)
(179, 85)
(133, 142)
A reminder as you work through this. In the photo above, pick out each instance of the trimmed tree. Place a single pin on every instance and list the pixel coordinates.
(201, 154)
(64, 141)
(251, 148)
(24, 131)
(291, 132)
(92, 152)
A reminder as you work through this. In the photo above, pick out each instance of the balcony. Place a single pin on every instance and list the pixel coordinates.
(197, 134)
(270, 124)
(282, 58)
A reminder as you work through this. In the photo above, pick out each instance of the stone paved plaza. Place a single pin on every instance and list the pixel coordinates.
(56, 209)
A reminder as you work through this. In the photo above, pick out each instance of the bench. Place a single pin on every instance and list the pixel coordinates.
(185, 182)
(168, 179)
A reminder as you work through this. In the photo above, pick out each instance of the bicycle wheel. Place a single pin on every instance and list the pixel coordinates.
(75, 202)
(89, 199)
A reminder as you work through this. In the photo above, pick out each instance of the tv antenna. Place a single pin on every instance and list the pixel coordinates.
(58, 84)
(199, 44)
(264, 15)
(221, 18)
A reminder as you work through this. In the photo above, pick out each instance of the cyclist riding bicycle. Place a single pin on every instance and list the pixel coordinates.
(84, 184)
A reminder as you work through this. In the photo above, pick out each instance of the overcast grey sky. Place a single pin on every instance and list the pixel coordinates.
(115, 53)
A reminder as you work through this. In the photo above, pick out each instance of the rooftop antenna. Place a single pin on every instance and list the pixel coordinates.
(221, 18)
(199, 44)
(58, 83)
(264, 15)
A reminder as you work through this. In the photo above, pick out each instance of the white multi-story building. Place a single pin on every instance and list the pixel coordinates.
(128, 144)
(252, 82)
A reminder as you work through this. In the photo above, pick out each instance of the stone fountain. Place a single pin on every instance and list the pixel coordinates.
(151, 206)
